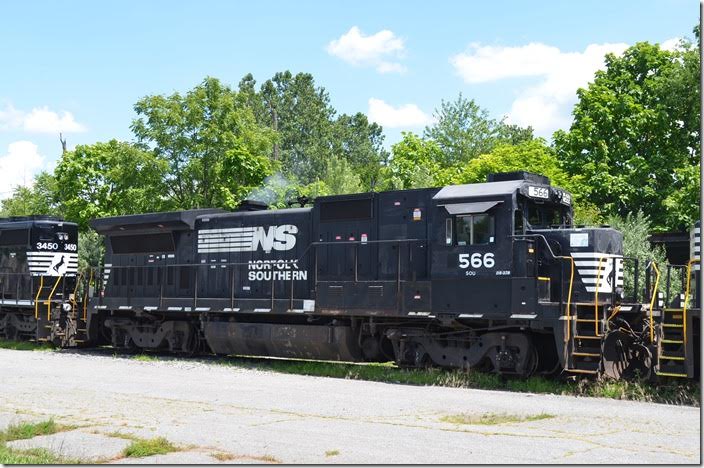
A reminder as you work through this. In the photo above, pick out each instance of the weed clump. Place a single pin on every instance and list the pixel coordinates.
(147, 447)
(490, 419)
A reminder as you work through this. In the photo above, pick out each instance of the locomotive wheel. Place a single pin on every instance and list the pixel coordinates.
(624, 358)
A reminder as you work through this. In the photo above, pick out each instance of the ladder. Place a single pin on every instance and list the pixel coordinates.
(584, 350)
(43, 297)
(588, 327)
(672, 350)
(672, 345)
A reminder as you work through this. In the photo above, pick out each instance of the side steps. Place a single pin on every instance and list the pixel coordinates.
(584, 346)
(672, 346)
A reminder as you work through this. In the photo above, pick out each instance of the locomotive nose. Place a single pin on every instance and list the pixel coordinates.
(597, 254)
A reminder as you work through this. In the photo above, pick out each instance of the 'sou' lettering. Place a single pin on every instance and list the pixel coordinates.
(247, 239)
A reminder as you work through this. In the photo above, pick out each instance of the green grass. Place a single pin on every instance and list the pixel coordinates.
(680, 392)
(30, 430)
(11, 456)
(145, 358)
(146, 447)
(490, 419)
(26, 345)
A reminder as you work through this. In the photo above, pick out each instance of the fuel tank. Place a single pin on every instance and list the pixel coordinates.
(324, 342)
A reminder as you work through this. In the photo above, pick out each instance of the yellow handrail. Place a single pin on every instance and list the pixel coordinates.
(686, 299)
(36, 298)
(596, 298)
(652, 299)
(617, 309)
(569, 295)
(85, 296)
(48, 299)
(75, 290)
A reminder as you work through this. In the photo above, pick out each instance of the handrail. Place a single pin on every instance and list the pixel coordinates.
(652, 299)
(48, 299)
(686, 299)
(596, 297)
(36, 298)
(85, 296)
(569, 295)
(617, 309)
(73, 296)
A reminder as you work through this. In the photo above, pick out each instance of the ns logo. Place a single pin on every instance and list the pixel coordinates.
(247, 239)
(275, 237)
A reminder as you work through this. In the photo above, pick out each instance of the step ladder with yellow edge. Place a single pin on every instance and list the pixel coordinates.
(46, 291)
(586, 332)
(673, 359)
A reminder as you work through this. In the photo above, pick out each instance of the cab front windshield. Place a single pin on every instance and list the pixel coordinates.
(546, 215)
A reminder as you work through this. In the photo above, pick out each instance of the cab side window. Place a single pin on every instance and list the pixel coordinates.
(474, 229)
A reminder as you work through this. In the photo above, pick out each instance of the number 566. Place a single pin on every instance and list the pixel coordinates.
(477, 260)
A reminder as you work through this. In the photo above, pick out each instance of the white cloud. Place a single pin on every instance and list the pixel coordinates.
(39, 120)
(547, 105)
(42, 120)
(10, 118)
(405, 116)
(381, 50)
(671, 44)
(18, 166)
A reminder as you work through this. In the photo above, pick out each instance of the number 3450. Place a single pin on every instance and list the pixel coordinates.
(477, 260)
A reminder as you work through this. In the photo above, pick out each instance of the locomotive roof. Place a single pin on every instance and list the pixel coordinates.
(506, 187)
(171, 219)
(23, 222)
(281, 211)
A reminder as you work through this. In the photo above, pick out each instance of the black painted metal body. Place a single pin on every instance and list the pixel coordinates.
(38, 269)
(432, 273)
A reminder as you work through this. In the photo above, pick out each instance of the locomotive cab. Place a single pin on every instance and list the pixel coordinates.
(485, 258)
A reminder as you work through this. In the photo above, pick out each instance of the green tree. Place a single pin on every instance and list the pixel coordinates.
(636, 228)
(108, 179)
(40, 198)
(414, 163)
(216, 151)
(463, 130)
(91, 249)
(309, 131)
(340, 177)
(534, 156)
(635, 135)
(302, 116)
(359, 142)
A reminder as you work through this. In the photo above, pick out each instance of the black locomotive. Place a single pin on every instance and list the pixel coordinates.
(491, 275)
(39, 297)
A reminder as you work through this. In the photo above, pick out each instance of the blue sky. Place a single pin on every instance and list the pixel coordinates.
(78, 67)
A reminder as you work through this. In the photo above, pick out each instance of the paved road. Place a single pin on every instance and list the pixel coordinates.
(260, 415)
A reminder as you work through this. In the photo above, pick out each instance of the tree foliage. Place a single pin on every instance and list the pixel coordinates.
(108, 179)
(39, 198)
(636, 228)
(635, 135)
(215, 149)
(414, 163)
(463, 131)
(309, 132)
